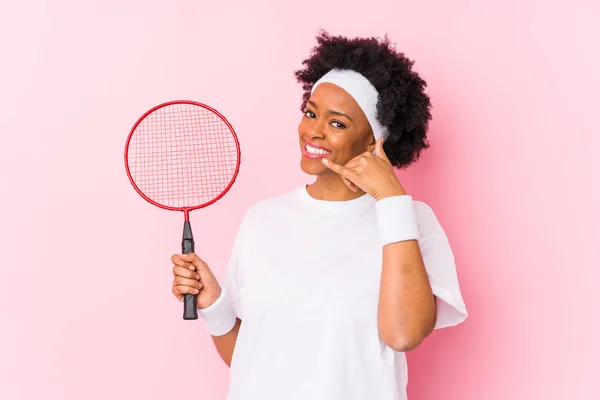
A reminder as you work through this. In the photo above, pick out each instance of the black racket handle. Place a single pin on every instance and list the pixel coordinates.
(187, 246)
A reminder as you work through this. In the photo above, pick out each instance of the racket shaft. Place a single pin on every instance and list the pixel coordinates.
(187, 246)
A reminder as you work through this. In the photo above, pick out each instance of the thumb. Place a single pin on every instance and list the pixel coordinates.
(189, 257)
(194, 259)
(379, 152)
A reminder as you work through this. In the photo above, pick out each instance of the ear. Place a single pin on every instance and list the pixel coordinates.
(379, 152)
(372, 145)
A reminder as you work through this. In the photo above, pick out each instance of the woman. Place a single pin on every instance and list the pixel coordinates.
(329, 285)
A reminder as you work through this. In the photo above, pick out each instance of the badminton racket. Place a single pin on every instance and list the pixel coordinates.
(182, 156)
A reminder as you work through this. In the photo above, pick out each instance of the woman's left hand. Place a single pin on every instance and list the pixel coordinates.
(373, 173)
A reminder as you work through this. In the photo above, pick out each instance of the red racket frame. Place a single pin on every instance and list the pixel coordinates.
(186, 210)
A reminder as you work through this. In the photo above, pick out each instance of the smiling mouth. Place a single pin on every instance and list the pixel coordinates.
(313, 151)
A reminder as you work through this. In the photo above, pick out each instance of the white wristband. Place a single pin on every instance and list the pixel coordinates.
(396, 219)
(219, 317)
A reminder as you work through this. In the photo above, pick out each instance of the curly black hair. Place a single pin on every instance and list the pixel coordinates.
(403, 106)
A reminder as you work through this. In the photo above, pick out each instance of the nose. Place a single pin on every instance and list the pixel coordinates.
(314, 131)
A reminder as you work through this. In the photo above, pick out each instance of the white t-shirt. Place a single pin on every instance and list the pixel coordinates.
(304, 279)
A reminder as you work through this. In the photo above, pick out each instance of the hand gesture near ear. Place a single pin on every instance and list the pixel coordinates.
(372, 173)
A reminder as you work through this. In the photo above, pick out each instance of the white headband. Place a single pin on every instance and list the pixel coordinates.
(363, 92)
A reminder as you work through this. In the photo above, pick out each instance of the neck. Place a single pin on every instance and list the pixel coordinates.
(332, 188)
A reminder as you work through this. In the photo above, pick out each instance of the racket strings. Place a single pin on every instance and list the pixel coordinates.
(182, 155)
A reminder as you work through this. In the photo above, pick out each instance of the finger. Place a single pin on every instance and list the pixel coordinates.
(350, 185)
(185, 272)
(200, 265)
(189, 257)
(177, 294)
(179, 291)
(379, 152)
(181, 281)
(355, 159)
(360, 159)
(343, 171)
(355, 163)
(176, 259)
(196, 262)
(194, 259)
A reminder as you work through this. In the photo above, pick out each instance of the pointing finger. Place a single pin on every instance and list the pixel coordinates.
(344, 172)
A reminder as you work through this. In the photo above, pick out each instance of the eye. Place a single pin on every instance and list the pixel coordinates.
(309, 114)
(338, 125)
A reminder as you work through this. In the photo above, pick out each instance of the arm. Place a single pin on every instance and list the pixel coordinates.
(221, 322)
(215, 308)
(225, 344)
(217, 304)
(407, 307)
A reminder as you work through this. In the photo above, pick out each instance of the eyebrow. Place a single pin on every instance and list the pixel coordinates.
(341, 114)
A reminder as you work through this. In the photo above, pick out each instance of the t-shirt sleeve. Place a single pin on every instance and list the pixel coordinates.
(233, 280)
(441, 269)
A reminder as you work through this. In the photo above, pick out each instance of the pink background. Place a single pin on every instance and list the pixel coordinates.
(85, 302)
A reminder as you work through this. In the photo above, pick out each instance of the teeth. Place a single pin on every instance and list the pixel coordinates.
(313, 150)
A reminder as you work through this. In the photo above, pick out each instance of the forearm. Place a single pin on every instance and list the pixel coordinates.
(222, 324)
(407, 308)
(225, 344)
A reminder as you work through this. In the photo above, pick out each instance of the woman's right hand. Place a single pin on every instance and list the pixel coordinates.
(191, 275)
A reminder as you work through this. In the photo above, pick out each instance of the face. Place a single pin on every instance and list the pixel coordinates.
(333, 127)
